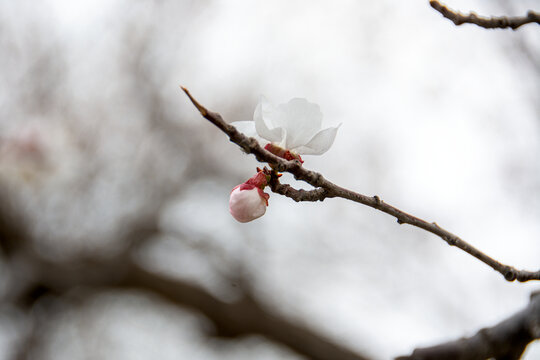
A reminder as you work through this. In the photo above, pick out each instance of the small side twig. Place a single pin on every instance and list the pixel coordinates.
(318, 194)
(326, 189)
(506, 340)
(501, 22)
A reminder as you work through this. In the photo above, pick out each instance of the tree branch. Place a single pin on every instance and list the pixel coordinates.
(37, 276)
(231, 319)
(502, 22)
(506, 340)
(243, 317)
(326, 189)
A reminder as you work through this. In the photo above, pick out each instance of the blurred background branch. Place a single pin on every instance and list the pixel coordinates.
(37, 278)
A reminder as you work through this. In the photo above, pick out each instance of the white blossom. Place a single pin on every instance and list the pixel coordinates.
(294, 126)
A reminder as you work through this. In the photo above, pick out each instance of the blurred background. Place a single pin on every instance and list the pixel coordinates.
(102, 157)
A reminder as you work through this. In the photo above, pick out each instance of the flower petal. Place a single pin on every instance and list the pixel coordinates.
(300, 119)
(245, 127)
(248, 128)
(320, 143)
(263, 112)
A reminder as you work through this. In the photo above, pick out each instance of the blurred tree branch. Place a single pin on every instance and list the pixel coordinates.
(506, 340)
(501, 22)
(242, 317)
(325, 189)
(37, 276)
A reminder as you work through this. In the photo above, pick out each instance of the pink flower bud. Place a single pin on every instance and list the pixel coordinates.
(247, 202)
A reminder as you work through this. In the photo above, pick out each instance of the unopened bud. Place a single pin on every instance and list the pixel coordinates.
(247, 202)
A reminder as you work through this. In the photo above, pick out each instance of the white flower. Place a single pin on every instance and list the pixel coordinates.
(247, 202)
(295, 126)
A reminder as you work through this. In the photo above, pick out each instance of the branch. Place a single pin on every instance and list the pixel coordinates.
(231, 319)
(487, 23)
(506, 340)
(38, 276)
(326, 189)
(318, 194)
(243, 317)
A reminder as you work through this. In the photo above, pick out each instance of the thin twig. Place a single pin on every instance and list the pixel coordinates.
(502, 22)
(506, 340)
(326, 189)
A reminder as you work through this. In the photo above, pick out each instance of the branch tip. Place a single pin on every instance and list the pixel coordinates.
(199, 107)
